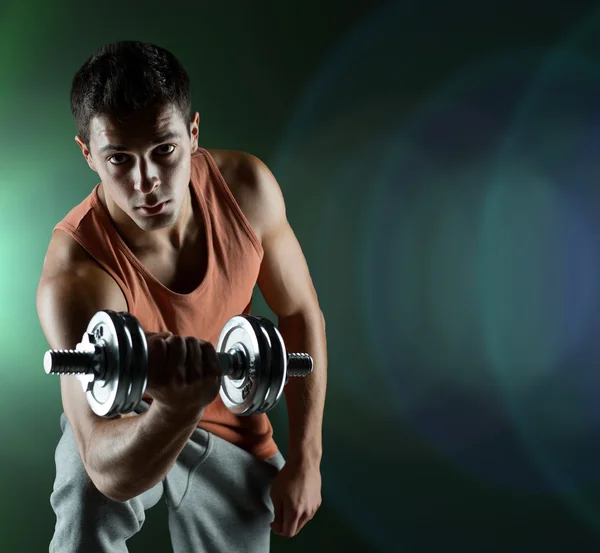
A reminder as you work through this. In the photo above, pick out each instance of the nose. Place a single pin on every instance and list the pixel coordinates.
(146, 178)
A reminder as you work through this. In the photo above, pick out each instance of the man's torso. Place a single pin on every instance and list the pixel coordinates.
(179, 270)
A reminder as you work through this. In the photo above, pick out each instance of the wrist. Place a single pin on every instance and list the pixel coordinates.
(176, 416)
(309, 457)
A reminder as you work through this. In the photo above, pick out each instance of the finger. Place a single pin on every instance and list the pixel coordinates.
(211, 369)
(210, 360)
(276, 525)
(302, 523)
(193, 360)
(176, 352)
(289, 522)
(157, 358)
(151, 336)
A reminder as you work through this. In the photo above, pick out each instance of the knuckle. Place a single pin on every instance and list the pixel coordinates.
(175, 340)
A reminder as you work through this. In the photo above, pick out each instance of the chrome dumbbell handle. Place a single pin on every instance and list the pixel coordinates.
(71, 361)
(232, 363)
(299, 364)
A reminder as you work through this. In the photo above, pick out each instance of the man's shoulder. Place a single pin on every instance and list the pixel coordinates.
(236, 166)
(243, 173)
(253, 186)
(66, 255)
(68, 264)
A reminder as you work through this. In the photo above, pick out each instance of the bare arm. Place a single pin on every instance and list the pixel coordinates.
(287, 287)
(123, 456)
(305, 397)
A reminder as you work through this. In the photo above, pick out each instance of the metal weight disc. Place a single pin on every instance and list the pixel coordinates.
(262, 374)
(138, 370)
(278, 365)
(126, 348)
(105, 396)
(126, 369)
(245, 395)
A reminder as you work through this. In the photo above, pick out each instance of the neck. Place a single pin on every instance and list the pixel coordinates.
(137, 239)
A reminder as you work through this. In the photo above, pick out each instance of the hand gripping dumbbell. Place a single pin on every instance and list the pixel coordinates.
(111, 361)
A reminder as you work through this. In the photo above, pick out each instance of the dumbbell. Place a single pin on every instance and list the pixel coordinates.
(111, 361)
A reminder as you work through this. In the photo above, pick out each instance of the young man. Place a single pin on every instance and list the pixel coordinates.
(178, 236)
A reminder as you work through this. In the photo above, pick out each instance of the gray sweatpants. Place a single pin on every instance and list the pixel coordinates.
(217, 494)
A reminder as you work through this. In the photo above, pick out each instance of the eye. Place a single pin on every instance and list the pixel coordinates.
(115, 159)
(162, 149)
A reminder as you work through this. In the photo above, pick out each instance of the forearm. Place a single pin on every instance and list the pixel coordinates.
(130, 455)
(305, 397)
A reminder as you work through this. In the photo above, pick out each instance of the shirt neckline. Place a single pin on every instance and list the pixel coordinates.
(121, 244)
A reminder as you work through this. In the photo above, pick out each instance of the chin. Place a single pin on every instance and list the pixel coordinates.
(153, 222)
(163, 220)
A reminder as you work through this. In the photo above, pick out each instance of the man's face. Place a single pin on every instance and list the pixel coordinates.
(143, 161)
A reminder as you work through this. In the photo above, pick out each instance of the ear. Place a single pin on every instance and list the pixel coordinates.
(86, 152)
(194, 130)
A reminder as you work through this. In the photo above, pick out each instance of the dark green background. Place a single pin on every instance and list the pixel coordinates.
(439, 162)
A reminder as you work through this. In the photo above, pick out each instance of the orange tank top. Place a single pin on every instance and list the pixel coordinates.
(234, 257)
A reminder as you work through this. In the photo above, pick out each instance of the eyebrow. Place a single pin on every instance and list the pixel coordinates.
(156, 140)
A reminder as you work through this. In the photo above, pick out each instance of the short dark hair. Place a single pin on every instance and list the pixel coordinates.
(126, 77)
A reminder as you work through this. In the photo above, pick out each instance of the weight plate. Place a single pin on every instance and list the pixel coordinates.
(106, 395)
(125, 375)
(138, 370)
(245, 395)
(101, 393)
(126, 351)
(263, 375)
(277, 366)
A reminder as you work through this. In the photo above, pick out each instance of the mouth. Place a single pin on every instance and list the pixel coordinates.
(153, 210)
